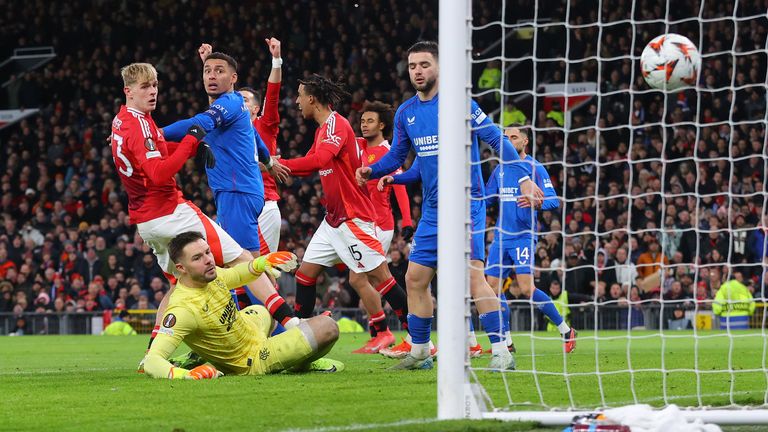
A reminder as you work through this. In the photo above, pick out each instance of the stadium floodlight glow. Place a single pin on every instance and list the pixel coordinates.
(717, 376)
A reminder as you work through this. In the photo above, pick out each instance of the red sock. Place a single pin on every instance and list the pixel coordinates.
(395, 295)
(379, 322)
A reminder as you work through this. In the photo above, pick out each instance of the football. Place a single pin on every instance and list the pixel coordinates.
(670, 62)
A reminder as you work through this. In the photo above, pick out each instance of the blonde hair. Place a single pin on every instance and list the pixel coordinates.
(138, 73)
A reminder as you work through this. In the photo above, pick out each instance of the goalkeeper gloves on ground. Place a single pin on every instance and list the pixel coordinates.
(275, 262)
(204, 153)
(204, 372)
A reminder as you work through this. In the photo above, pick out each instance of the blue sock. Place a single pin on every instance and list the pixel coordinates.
(471, 326)
(419, 328)
(504, 313)
(491, 322)
(544, 303)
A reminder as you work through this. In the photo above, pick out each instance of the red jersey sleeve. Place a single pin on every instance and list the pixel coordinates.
(401, 196)
(139, 144)
(270, 117)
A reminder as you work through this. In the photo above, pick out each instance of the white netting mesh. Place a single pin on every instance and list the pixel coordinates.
(673, 181)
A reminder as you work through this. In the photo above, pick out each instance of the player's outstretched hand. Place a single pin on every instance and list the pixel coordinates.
(204, 372)
(362, 175)
(275, 262)
(274, 47)
(384, 182)
(204, 51)
(407, 233)
(279, 171)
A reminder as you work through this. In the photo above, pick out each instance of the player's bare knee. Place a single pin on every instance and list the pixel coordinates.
(379, 275)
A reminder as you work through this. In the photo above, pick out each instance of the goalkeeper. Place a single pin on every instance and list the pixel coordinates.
(202, 314)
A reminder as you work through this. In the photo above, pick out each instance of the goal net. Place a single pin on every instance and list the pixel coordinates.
(662, 205)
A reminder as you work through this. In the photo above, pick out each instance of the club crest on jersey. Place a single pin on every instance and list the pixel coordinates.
(169, 320)
(371, 158)
(149, 143)
(264, 354)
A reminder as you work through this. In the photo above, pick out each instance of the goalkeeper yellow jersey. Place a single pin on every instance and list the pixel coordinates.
(207, 320)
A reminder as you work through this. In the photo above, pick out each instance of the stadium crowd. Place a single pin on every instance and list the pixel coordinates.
(66, 242)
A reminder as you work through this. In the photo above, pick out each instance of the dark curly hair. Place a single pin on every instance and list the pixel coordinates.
(326, 91)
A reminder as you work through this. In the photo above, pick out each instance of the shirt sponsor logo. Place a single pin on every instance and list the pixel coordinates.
(229, 315)
(169, 320)
(548, 184)
(325, 172)
(165, 331)
(116, 123)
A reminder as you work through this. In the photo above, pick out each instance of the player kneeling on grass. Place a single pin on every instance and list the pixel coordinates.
(202, 314)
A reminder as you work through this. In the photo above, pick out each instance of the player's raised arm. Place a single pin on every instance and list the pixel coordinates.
(245, 273)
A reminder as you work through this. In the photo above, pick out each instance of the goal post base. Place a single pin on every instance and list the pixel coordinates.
(559, 418)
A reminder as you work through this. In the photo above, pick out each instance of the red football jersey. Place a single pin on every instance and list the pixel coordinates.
(136, 139)
(267, 127)
(344, 199)
(385, 218)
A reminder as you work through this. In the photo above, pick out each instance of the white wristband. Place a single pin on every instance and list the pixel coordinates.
(277, 63)
(270, 164)
(523, 179)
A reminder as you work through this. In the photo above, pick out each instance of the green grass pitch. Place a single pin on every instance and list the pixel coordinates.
(90, 383)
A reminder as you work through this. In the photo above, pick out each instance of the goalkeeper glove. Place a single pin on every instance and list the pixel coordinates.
(407, 233)
(275, 262)
(204, 372)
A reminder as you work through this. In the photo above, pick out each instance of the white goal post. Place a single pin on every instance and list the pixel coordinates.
(461, 381)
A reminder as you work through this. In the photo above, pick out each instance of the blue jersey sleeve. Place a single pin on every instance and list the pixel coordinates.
(487, 131)
(411, 175)
(492, 187)
(221, 112)
(401, 145)
(551, 201)
(263, 151)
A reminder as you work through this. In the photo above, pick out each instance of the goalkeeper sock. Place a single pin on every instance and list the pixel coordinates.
(378, 323)
(394, 294)
(544, 303)
(491, 322)
(306, 293)
(152, 338)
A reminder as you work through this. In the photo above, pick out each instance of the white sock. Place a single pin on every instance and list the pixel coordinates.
(293, 322)
(472, 339)
(420, 351)
(499, 348)
(508, 338)
(408, 338)
(563, 327)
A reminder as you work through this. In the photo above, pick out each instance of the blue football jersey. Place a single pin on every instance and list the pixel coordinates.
(513, 221)
(232, 138)
(415, 126)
